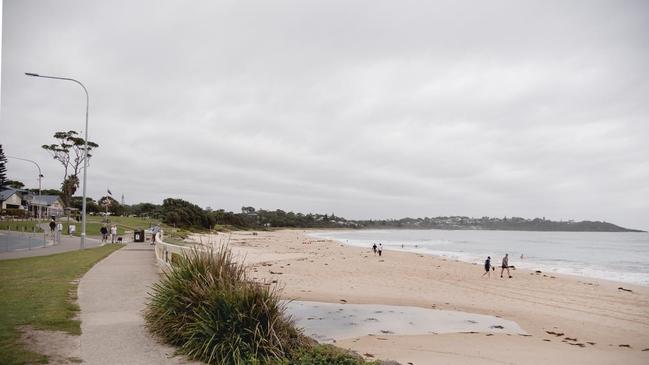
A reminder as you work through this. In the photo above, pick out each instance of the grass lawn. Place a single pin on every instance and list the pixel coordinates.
(128, 223)
(93, 224)
(36, 291)
(92, 228)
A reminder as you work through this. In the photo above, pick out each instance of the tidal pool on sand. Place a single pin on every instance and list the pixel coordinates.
(328, 322)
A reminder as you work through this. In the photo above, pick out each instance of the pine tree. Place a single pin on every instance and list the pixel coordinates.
(3, 168)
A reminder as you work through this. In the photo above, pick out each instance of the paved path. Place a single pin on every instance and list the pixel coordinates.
(112, 297)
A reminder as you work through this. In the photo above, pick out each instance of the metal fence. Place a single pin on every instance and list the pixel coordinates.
(22, 240)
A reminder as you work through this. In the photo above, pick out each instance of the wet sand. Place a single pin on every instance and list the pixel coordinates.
(568, 320)
(332, 322)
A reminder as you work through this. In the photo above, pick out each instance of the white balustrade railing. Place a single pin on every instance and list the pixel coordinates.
(164, 251)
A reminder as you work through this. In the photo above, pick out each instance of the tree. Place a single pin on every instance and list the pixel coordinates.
(68, 188)
(3, 168)
(114, 207)
(70, 152)
(91, 204)
(181, 213)
(146, 209)
(247, 210)
(47, 192)
(14, 184)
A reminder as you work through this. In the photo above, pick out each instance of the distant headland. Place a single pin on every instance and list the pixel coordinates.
(488, 223)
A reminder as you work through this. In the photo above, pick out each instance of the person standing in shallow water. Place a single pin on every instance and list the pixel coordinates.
(487, 267)
(505, 266)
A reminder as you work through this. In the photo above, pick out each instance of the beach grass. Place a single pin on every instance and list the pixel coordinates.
(208, 308)
(39, 292)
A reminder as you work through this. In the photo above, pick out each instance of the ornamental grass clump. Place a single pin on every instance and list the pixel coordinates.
(208, 309)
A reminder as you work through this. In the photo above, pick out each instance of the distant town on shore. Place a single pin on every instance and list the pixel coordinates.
(489, 223)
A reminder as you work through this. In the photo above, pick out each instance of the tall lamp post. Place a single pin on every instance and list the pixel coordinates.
(85, 157)
(40, 176)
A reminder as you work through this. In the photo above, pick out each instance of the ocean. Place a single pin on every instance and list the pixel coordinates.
(622, 257)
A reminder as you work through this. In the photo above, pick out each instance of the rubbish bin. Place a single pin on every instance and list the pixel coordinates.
(71, 229)
(138, 235)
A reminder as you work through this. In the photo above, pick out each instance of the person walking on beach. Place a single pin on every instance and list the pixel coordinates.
(487, 267)
(380, 249)
(505, 265)
(113, 233)
(374, 248)
(104, 234)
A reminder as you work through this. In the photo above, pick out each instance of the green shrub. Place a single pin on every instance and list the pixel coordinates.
(324, 355)
(208, 308)
(13, 212)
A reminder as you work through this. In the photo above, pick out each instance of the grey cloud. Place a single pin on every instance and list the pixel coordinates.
(367, 108)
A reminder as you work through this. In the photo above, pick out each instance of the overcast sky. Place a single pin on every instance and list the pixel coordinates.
(368, 109)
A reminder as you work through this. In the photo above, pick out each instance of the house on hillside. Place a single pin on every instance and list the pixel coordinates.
(44, 205)
(30, 204)
(11, 198)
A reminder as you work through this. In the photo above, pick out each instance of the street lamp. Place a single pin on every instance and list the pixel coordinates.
(85, 157)
(40, 176)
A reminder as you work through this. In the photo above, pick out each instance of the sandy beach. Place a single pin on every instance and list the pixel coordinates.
(568, 319)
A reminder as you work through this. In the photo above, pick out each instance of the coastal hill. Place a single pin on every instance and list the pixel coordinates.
(488, 223)
(183, 214)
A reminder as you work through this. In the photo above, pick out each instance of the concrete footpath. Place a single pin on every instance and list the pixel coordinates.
(112, 298)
